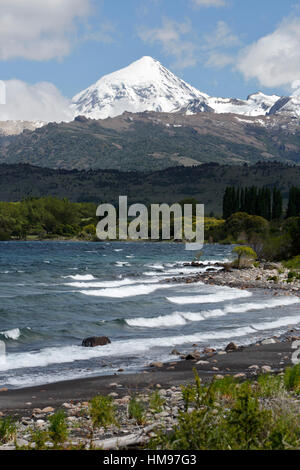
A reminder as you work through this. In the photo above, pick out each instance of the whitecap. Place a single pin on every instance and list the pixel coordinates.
(219, 296)
(81, 277)
(14, 334)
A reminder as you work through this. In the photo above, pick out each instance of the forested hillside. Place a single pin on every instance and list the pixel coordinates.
(205, 183)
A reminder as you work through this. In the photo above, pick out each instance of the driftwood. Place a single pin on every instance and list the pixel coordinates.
(124, 441)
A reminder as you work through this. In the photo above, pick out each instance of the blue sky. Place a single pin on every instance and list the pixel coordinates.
(222, 47)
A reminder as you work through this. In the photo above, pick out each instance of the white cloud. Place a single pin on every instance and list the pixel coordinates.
(39, 102)
(274, 60)
(222, 36)
(219, 60)
(216, 42)
(39, 29)
(209, 3)
(173, 38)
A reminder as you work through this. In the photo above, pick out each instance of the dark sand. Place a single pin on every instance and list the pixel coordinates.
(22, 401)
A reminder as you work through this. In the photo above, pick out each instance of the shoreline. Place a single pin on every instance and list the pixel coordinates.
(271, 276)
(31, 407)
(178, 371)
(270, 355)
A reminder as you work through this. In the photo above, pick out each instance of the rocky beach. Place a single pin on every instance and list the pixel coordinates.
(31, 407)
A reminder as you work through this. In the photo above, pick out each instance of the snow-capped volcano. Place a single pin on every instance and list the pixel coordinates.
(145, 85)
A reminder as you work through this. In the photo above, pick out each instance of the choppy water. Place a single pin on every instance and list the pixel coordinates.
(54, 294)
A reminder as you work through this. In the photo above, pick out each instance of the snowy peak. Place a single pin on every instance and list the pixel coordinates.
(257, 104)
(145, 85)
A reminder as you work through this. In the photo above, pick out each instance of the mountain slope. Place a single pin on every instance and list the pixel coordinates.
(145, 85)
(153, 141)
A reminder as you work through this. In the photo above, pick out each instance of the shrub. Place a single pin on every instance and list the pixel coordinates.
(136, 410)
(246, 422)
(102, 411)
(244, 255)
(58, 429)
(269, 385)
(39, 439)
(7, 429)
(293, 263)
(156, 402)
(243, 422)
(292, 378)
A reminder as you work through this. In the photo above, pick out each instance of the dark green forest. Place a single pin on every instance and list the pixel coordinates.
(206, 183)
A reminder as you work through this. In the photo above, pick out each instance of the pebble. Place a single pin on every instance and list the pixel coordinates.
(266, 369)
(40, 423)
(268, 341)
(48, 409)
(159, 365)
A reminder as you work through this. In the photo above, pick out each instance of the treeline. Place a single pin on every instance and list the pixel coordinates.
(47, 217)
(264, 202)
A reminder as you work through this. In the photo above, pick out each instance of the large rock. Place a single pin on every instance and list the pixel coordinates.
(95, 341)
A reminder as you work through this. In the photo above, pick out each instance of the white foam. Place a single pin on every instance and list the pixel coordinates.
(174, 319)
(127, 291)
(11, 334)
(272, 303)
(285, 321)
(107, 284)
(123, 282)
(182, 318)
(81, 277)
(219, 296)
(122, 348)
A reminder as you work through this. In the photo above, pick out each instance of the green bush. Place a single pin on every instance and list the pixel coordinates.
(156, 402)
(269, 385)
(8, 429)
(39, 439)
(244, 255)
(58, 429)
(228, 415)
(102, 411)
(292, 378)
(137, 410)
(293, 263)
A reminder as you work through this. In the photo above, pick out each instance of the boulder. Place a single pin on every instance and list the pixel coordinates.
(231, 347)
(95, 341)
